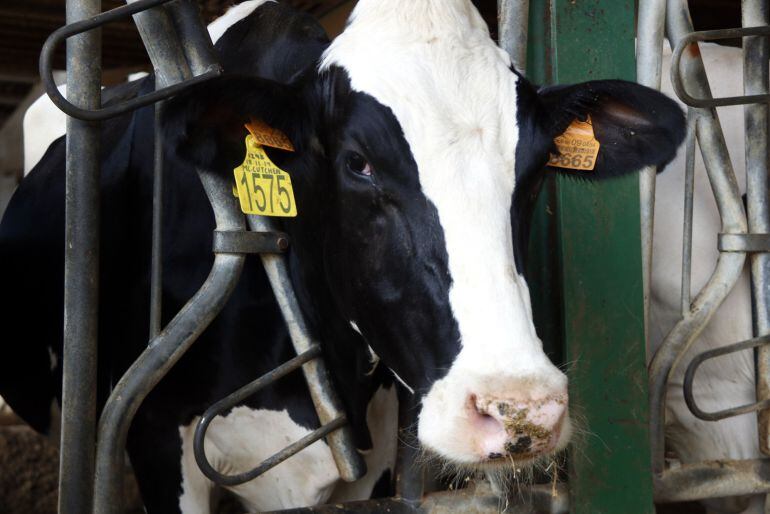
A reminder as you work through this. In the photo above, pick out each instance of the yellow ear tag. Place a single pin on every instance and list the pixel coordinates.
(578, 147)
(263, 188)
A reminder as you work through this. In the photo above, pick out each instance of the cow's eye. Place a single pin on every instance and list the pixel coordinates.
(357, 164)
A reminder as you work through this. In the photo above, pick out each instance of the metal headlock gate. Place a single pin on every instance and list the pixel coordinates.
(182, 55)
(741, 237)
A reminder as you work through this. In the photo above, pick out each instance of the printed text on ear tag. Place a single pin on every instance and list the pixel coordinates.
(263, 188)
(578, 147)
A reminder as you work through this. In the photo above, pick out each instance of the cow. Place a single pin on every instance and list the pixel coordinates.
(727, 381)
(418, 151)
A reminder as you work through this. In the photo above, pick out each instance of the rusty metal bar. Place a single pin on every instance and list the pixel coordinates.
(756, 50)
(81, 269)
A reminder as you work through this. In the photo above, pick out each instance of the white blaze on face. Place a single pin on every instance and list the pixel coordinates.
(434, 65)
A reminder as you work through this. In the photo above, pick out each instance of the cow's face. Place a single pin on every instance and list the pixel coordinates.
(413, 137)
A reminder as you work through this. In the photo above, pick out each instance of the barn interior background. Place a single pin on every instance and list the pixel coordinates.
(29, 484)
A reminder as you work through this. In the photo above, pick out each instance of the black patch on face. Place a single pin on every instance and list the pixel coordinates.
(378, 237)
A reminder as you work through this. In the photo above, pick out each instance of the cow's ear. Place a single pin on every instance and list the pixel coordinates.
(205, 126)
(635, 126)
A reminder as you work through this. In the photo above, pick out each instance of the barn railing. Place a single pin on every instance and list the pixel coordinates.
(741, 238)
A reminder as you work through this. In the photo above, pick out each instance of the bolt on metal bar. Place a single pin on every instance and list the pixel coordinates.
(156, 259)
(691, 39)
(81, 269)
(692, 368)
(513, 19)
(328, 406)
(165, 350)
(238, 397)
(70, 30)
(649, 64)
(729, 265)
(689, 192)
(756, 51)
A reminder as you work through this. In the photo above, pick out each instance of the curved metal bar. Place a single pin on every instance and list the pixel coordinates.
(165, 350)
(328, 406)
(729, 265)
(689, 378)
(712, 35)
(238, 397)
(46, 67)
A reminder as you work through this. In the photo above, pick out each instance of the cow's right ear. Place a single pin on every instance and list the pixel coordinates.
(205, 126)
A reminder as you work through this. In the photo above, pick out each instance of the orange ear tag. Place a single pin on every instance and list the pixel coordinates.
(266, 135)
(578, 147)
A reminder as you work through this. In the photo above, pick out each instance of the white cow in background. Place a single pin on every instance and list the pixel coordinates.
(726, 381)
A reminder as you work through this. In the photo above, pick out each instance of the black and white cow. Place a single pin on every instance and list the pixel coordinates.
(419, 150)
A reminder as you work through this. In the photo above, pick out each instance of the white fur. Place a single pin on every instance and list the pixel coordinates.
(450, 87)
(240, 441)
(44, 123)
(727, 381)
(236, 13)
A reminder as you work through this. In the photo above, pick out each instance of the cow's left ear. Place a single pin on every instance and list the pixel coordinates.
(635, 126)
(205, 126)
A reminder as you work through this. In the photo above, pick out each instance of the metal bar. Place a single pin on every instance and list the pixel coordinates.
(716, 479)
(686, 43)
(46, 67)
(729, 265)
(349, 462)
(649, 63)
(513, 19)
(198, 49)
(238, 397)
(156, 262)
(689, 192)
(602, 263)
(81, 269)
(164, 351)
(692, 368)
(751, 243)
(410, 475)
(168, 61)
(756, 51)
(250, 242)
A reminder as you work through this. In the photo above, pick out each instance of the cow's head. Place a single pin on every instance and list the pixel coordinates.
(416, 143)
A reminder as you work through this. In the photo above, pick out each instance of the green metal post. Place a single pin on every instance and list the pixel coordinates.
(599, 230)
